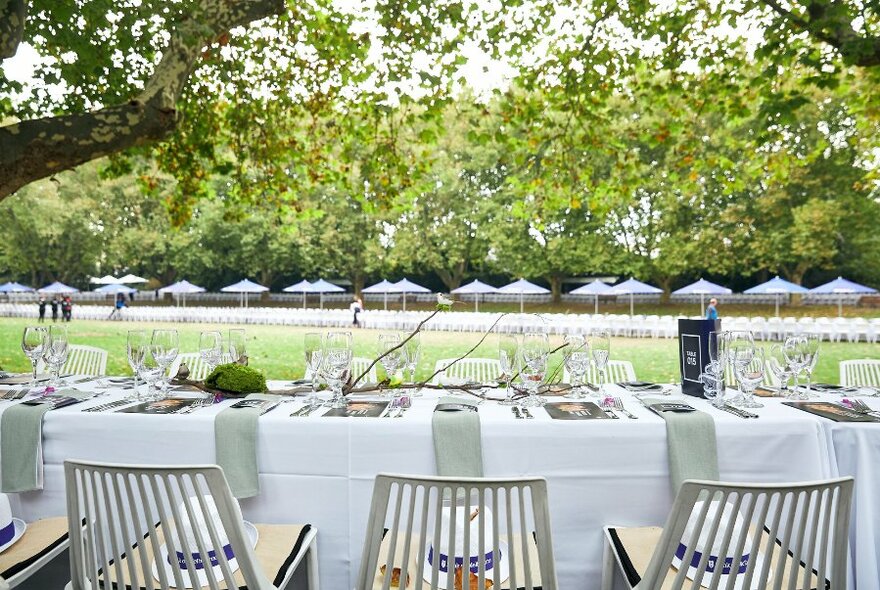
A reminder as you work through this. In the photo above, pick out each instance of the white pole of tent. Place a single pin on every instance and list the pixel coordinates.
(404, 301)
(304, 299)
(321, 298)
(385, 300)
(702, 306)
(630, 304)
(776, 299)
(597, 304)
(476, 302)
(840, 306)
(521, 301)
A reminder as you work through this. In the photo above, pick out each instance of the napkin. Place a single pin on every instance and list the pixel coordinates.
(235, 441)
(458, 447)
(690, 439)
(21, 444)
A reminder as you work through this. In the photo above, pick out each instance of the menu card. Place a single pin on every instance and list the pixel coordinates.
(359, 409)
(171, 405)
(575, 411)
(832, 411)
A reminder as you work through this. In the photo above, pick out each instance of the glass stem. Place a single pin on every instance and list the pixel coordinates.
(34, 366)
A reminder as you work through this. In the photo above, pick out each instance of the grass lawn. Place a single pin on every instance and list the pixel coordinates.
(277, 350)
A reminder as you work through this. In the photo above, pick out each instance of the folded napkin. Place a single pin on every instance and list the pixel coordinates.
(21, 444)
(235, 441)
(690, 439)
(458, 447)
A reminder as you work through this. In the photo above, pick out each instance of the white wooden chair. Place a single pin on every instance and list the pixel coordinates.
(43, 541)
(198, 368)
(476, 370)
(860, 372)
(407, 534)
(785, 537)
(135, 516)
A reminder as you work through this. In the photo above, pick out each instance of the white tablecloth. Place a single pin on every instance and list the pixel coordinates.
(321, 470)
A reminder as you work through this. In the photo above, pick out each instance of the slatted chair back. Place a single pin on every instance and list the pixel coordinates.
(785, 536)
(85, 360)
(126, 514)
(860, 372)
(198, 368)
(412, 534)
(477, 370)
(616, 372)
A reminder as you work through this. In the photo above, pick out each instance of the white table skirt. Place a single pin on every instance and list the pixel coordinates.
(321, 470)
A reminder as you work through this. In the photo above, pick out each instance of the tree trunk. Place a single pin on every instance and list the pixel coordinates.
(665, 283)
(357, 285)
(38, 148)
(12, 18)
(555, 288)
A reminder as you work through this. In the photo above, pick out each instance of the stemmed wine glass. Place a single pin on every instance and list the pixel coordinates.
(794, 351)
(739, 347)
(810, 347)
(508, 353)
(412, 351)
(237, 345)
(33, 342)
(600, 346)
(312, 347)
(211, 348)
(577, 361)
(781, 368)
(55, 352)
(165, 346)
(750, 374)
(336, 364)
(151, 371)
(136, 350)
(534, 352)
(393, 359)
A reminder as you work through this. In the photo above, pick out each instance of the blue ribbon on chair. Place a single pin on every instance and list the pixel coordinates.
(713, 560)
(459, 561)
(7, 533)
(197, 558)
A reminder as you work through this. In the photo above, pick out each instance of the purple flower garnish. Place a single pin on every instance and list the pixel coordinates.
(847, 403)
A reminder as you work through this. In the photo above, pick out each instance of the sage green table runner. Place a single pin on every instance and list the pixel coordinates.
(235, 441)
(690, 439)
(21, 444)
(458, 448)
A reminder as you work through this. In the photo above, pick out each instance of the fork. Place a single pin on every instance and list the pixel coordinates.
(861, 407)
(617, 403)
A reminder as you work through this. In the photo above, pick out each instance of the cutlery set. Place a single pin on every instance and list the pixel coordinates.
(521, 413)
(108, 406)
(304, 411)
(736, 411)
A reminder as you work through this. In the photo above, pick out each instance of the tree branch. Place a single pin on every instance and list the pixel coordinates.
(13, 14)
(34, 149)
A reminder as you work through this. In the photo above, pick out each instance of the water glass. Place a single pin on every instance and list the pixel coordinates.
(577, 361)
(781, 368)
(152, 371)
(211, 348)
(810, 347)
(600, 346)
(237, 345)
(534, 352)
(55, 352)
(165, 344)
(749, 368)
(508, 354)
(136, 348)
(412, 351)
(336, 356)
(794, 351)
(312, 348)
(392, 354)
(713, 383)
(33, 342)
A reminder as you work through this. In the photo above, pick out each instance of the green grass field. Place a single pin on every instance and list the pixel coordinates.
(277, 350)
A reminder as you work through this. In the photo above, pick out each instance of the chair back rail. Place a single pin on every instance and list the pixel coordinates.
(860, 372)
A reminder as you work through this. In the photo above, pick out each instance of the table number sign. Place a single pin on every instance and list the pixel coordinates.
(693, 350)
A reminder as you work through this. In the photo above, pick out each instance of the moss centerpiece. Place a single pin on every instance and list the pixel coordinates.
(233, 379)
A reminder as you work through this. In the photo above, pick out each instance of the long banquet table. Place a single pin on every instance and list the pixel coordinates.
(320, 470)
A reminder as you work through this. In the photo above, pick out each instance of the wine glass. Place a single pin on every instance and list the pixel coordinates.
(151, 371)
(810, 347)
(55, 352)
(336, 364)
(412, 350)
(312, 346)
(600, 345)
(165, 346)
(749, 373)
(393, 359)
(508, 353)
(577, 361)
(33, 342)
(211, 348)
(136, 349)
(780, 367)
(739, 347)
(793, 349)
(237, 345)
(534, 352)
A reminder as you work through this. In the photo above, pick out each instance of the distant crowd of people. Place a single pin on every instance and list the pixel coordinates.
(62, 304)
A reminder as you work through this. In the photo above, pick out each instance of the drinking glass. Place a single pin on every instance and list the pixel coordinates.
(577, 361)
(810, 347)
(136, 349)
(165, 346)
(55, 352)
(781, 368)
(412, 351)
(237, 345)
(749, 373)
(739, 347)
(713, 383)
(312, 346)
(534, 352)
(508, 353)
(393, 359)
(336, 364)
(33, 342)
(151, 371)
(600, 346)
(793, 348)
(211, 348)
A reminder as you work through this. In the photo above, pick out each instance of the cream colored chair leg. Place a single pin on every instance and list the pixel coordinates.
(313, 566)
(608, 566)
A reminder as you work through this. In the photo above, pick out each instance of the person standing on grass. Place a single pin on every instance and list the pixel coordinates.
(54, 305)
(356, 307)
(42, 307)
(712, 309)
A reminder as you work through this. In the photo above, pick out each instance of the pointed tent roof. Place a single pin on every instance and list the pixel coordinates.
(58, 287)
(13, 287)
(841, 286)
(521, 287)
(115, 289)
(775, 285)
(593, 288)
(244, 286)
(322, 286)
(131, 279)
(475, 286)
(105, 280)
(703, 287)
(382, 286)
(301, 287)
(181, 287)
(633, 287)
(407, 286)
